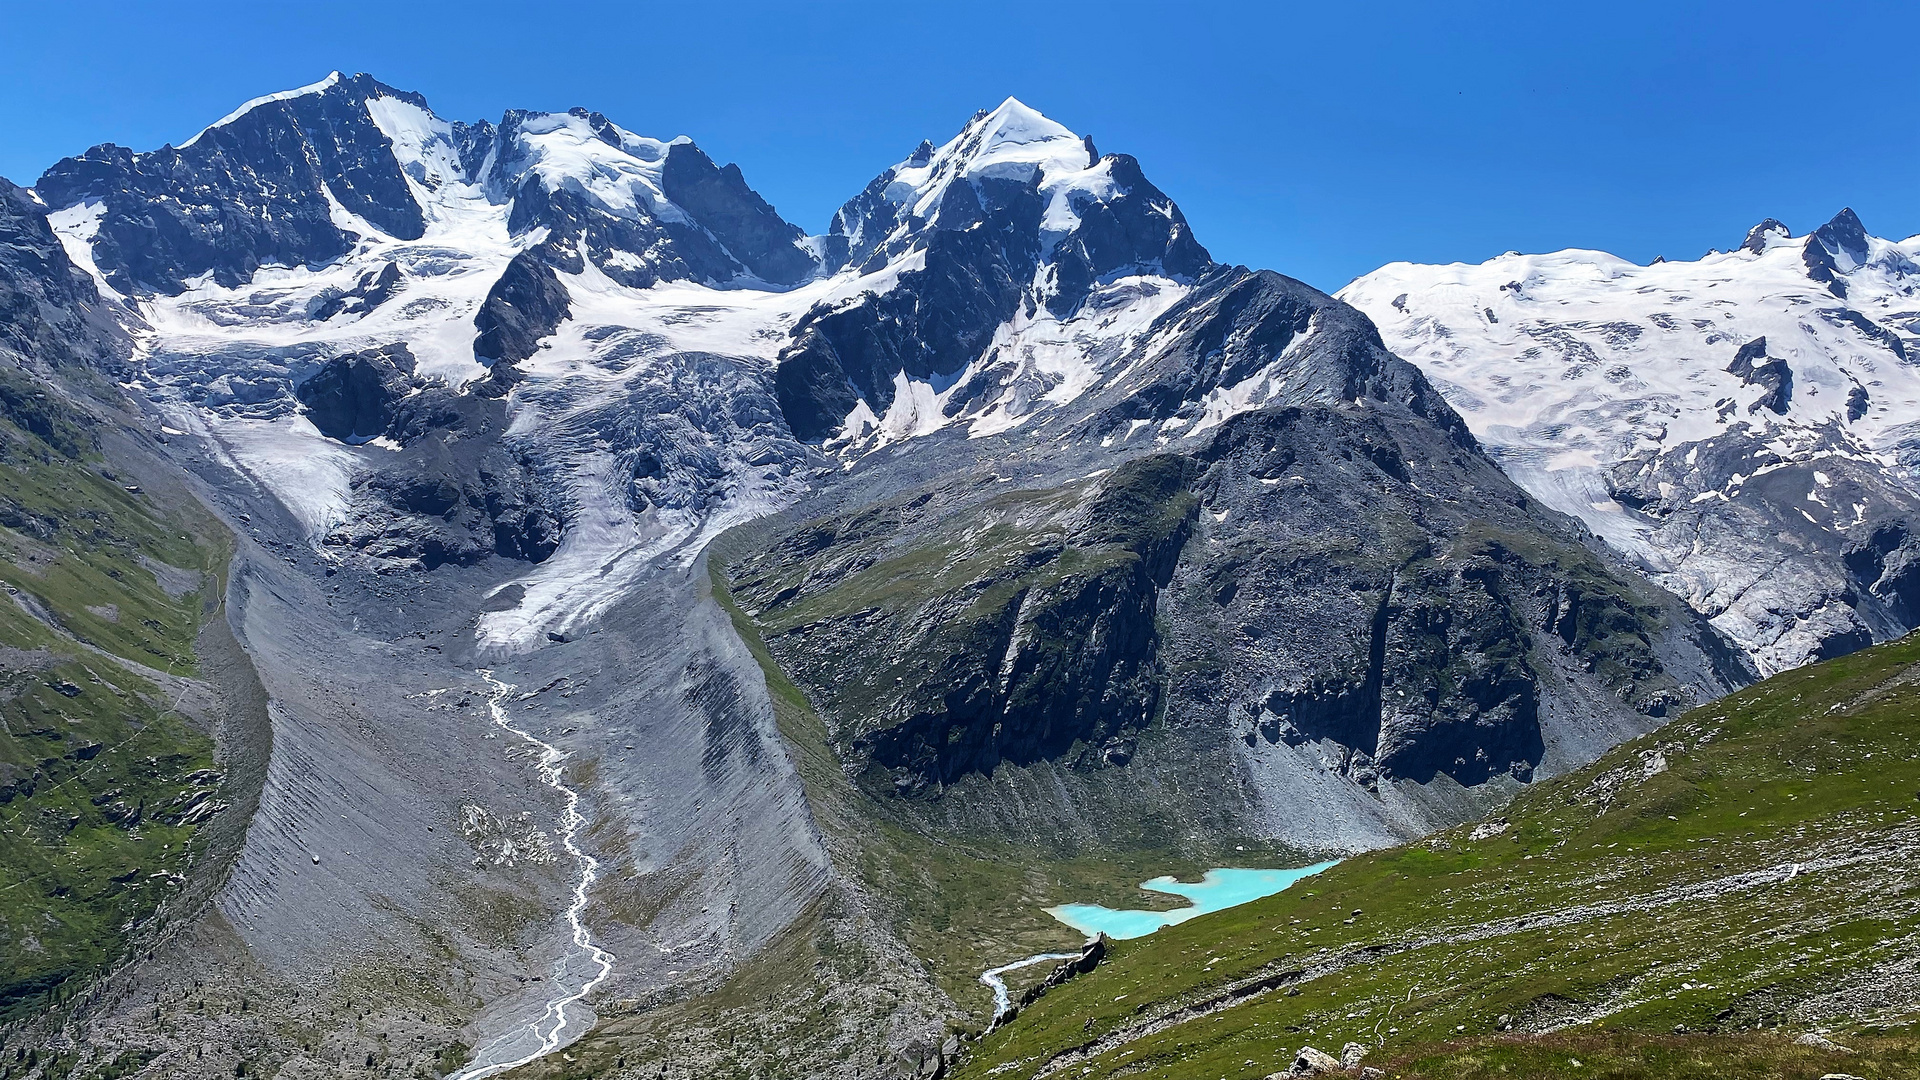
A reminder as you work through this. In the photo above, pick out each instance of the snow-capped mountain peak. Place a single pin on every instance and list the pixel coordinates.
(1769, 233)
(1012, 141)
(952, 186)
(661, 344)
(617, 169)
(973, 252)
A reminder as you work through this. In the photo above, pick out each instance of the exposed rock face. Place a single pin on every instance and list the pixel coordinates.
(256, 189)
(1770, 373)
(1764, 233)
(1811, 543)
(524, 306)
(608, 195)
(750, 230)
(374, 288)
(1251, 338)
(456, 494)
(1319, 612)
(355, 396)
(1836, 248)
(1016, 645)
(49, 308)
(1314, 572)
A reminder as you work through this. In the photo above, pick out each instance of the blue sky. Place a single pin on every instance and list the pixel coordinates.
(1319, 139)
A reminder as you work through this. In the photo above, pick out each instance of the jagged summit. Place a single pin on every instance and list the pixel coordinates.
(1015, 219)
(1053, 528)
(1768, 232)
(1009, 147)
(1836, 249)
(308, 177)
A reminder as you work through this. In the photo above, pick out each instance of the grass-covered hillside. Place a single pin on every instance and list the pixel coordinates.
(1688, 906)
(103, 782)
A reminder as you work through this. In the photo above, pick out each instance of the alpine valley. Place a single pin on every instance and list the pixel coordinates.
(496, 596)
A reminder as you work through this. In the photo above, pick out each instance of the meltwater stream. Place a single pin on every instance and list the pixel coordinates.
(534, 1039)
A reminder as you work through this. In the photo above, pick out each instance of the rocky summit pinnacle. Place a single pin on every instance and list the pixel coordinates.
(1760, 235)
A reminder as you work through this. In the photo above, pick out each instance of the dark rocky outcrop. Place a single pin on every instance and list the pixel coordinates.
(373, 289)
(1091, 954)
(50, 309)
(1835, 248)
(523, 307)
(1857, 402)
(1019, 649)
(1756, 241)
(355, 397)
(42, 411)
(1886, 561)
(1333, 602)
(1770, 373)
(456, 495)
(720, 200)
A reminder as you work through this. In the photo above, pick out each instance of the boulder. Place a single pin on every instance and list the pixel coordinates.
(1311, 1062)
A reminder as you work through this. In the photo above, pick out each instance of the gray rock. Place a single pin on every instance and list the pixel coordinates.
(1311, 1062)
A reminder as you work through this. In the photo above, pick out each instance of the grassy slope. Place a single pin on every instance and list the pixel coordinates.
(1654, 892)
(96, 767)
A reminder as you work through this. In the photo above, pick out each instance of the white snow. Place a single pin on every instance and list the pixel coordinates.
(1567, 363)
(76, 226)
(579, 380)
(1593, 354)
(566, 153)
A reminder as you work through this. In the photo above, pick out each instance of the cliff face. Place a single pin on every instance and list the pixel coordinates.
(1354, 585)
(945, 641)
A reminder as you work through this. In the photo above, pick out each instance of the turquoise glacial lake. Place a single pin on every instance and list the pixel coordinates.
(1217, 890)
